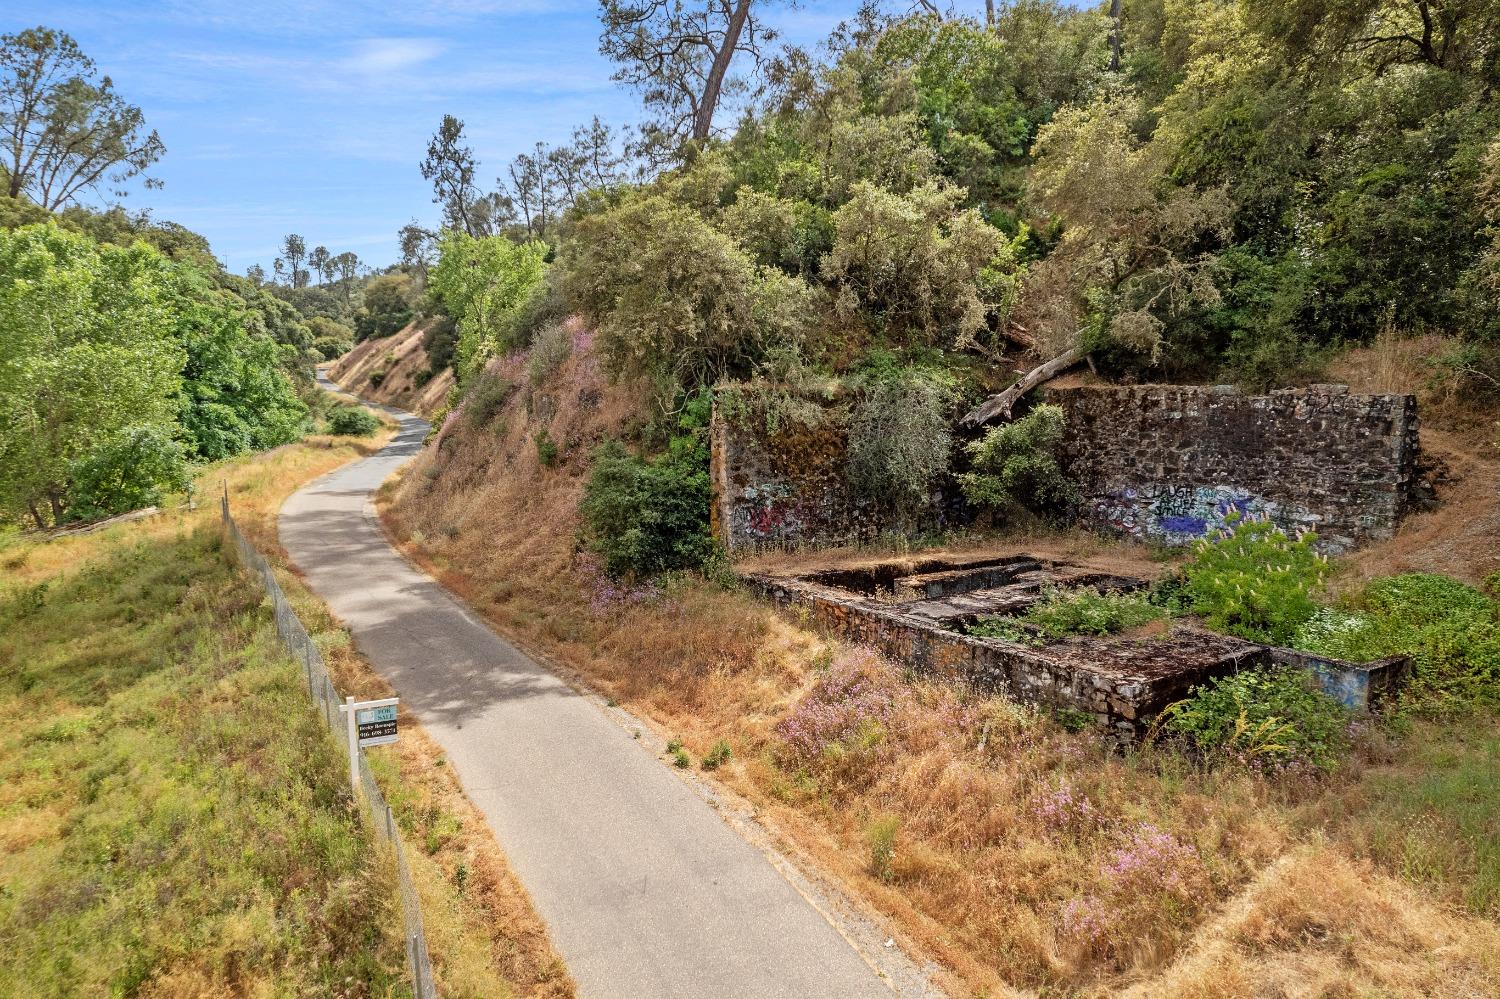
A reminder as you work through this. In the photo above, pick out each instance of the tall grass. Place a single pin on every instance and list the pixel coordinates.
(174, 817)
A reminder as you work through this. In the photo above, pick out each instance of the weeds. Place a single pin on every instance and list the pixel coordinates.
(882, 838)
(1061, 613)
(718, 755)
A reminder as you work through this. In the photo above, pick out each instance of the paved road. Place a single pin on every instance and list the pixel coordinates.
(647, 891)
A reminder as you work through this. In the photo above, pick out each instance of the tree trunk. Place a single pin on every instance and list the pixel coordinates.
(1002, 403)
(55, 498)
(36, 515)
(1114, 36)
(989, 13)
(703, 121)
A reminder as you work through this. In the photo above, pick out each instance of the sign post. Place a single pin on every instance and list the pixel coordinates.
(368, 723)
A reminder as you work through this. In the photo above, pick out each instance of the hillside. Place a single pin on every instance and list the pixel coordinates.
(389, 370)
(997, 816)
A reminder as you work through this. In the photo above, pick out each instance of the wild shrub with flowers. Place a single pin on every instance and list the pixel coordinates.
(853, 701)
(1151, 884)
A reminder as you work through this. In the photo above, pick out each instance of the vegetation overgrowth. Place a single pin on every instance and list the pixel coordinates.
(205, 671)
(1014, 851)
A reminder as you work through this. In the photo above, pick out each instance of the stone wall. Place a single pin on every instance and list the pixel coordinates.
(1169, 463)
(1164, 463)
(790, 488)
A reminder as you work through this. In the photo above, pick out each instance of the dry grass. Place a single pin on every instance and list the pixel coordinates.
(401, 359)
(1010, 851)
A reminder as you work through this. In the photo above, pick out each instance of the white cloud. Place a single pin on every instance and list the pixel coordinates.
(377, 56)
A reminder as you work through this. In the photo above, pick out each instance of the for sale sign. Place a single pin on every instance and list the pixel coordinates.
(377, 726)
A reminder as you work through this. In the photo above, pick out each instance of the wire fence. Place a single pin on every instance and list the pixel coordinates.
(326, 697)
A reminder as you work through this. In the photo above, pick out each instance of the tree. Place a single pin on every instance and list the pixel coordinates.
(450, 167)
(480, 282)
(387, 307)
(256, 273)
(417, 246)
(346, 266)
(533, 190)
(321, 261)
(84, 366)
(678, 56)
(293, 252)
(65, 131)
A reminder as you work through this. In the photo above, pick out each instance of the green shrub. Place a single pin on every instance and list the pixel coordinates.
(134, 473)
(1064, 612)
(485, 398)
(1451, 631)
(1061, 613)
(645, 517)
(900, 442)
(386, 308)
(1271, 716)
(377, 378)
(548, 352)
(718, 755)
(680, 759)
(352, 421)
(546, 448)
(1254, 581)
(1015, 465)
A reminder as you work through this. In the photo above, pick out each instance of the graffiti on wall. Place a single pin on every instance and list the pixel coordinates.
(1177, 515)
(767, 511)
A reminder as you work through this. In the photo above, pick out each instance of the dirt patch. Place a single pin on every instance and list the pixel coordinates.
(399, 364)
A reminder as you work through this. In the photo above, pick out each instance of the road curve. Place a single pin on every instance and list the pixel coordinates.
(647, 892)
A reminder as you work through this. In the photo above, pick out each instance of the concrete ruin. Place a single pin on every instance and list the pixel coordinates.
(1161, 463)
(915, 611)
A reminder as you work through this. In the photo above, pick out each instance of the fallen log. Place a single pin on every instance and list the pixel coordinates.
(1002, 403)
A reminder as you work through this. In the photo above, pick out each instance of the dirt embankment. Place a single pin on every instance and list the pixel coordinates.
(390, 370)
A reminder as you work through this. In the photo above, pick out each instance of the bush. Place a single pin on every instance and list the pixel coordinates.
(386, 308)
(900, 442)
(644, 517)
(1273, 716)
(134, 473)
(1255, 582)
(1015, 465)
(484, 400)
(674, 299)
(352, 421)
(718, 755)
(550, 349)
(1061, 613)
(546, 448)
(1451, 631)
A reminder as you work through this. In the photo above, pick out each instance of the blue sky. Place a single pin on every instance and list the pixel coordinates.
(310, 116)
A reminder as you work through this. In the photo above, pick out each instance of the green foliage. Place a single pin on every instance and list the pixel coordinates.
(546, 448)
(1451, 631)
(84, 364)
(1061, 612)
(1254, 581)
(330, 339)
(881, 836)
(485, 397)
(481, 283)
(900, 441)
(717, 755)
(1014, 466)
(643, 517)
(386, 308)
(1262, 717)
(551, 348)
(133, 473)
(911, 264)
(680, 758)
(352, 421)
(674, 299)
(164, 755)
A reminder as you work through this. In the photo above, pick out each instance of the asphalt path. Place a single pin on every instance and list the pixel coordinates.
(646, 889)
